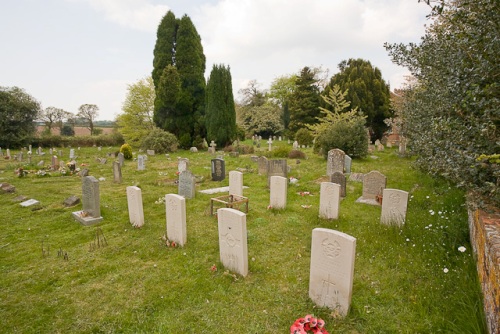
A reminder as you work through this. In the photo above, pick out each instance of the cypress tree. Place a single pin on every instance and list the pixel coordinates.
(164, 51)
(220, 108)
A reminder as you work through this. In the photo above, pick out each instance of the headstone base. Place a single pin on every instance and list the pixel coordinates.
(87, 221)
(368, 201)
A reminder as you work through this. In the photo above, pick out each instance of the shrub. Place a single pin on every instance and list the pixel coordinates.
(126, 149)
(304, 137)
(349, 137)
(161, 141)
(281, 152)
(296, 154)
(185, 141)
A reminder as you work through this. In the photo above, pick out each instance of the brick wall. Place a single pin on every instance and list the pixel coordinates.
(485, 239)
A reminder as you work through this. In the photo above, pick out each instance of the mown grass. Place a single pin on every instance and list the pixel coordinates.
(137, 285)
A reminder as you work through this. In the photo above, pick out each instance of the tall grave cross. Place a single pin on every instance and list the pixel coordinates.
(270, 142)
(212, 147)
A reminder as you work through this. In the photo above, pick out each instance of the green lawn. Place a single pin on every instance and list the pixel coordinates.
(406, 280)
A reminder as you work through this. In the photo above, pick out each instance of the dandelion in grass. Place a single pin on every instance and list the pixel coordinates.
(445, 270)
(462, 249)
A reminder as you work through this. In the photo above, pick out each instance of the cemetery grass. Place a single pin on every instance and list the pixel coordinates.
(411, 279)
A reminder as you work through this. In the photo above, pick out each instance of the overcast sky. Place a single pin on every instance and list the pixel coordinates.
(66, 53)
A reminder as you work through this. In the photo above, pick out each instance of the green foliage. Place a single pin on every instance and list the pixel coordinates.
(160, 141)
(185, 141)
(112, 139)
(88, 113)
(264, 120)
(304, 137)
(220, 115)
(136, 121)
(366, 91)
(67, 130)
(305, 100)
(451, 114)
(126, 149)
(164, 51)
(281, 151)
(349, 137)
(18, 111)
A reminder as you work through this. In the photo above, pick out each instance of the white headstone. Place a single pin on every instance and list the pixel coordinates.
(394, 205)
(270, 143)
(279, 186)
(235, 183)
(135, 209)
(72, 153)
(295, 145)
(175, 206)
(329, 200)
(182, 164)
(141, 164)
(233, 240)
(332, 269)
(121, 159)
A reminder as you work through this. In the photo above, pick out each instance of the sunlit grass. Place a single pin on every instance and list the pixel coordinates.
(136, 284)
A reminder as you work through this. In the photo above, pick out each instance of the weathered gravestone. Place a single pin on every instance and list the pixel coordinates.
(175, 206)
(30, 202)
(117, 172)
(8, 153)
(276, 167)
(193, 150)
(235, 183)
(135, 209)
(394, 205)
(218, 169)
(347, 164)
(263, 164)
(150, 152)
(187, 184)
(335, 161)
(54, 162)
(141, 163)
(332, 269)
(71, 201)
(339, 178)
(402, 146)
(329, 200)
(91, 207)
(121, 159)
(212, 147)
(278, 192)
(233, 247)
(374, 183)
(182, 164)
(71, 153)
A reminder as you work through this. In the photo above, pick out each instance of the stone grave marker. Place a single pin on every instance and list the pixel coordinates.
(263, 165)
(212, 147)
(175, 206)
(71, 201)
(182, 164)
(374, 183)
(30, 202)
(270, 143)
(20, 156)
(218, 169)
(121, 159)
(193, 150)
(187, 184)
(232, 226)
(72, 154)
(347, 164)
(402, 146)
(117, 172)
(329, 200)
(235, 183)
(335, 161)
(332, 269)
(135, 209)
(91, 207)
(59, 153)
(40, 163)
(1, 153)
(278, 193)
(394, 205)
(277, 167)
(339, 178)
(55, 162)
(141, 163)
(150, 152)
(8, 153)
(103, 161)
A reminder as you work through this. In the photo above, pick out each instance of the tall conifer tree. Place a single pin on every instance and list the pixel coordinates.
(305, 100)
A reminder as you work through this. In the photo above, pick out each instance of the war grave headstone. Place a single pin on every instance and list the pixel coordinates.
(175, 207)
(263, 165)
(182, 164)
(235, 183)
(347, 164)
(135, 209)
(218, 169)
(141, 163)
(276, 167)
(329, 201)
(339, 178)
(332, 269)
(91, 207)
(233, 249)
(278, 192)
(374, 183)
(394, 205)
(335, 161)
(186, 184)
(117, 172)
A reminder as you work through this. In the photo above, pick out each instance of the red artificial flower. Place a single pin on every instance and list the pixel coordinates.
(308, 318)
(213, 268)
(313, 322)
(173, 244)
(297, 329)
(321, 323)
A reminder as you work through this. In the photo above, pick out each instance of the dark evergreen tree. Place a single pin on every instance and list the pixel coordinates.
(305, 100)
(164, 51)
(366, 90)
(166, 114)
(220, 109)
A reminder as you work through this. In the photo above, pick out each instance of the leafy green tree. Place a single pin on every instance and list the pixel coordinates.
(136, 121)
(281, 91)
(252, 95)
(220, 110)
(18, 111)
(305, 100)
(52, 116)
(88, 113)
(367, 91)
(451, 116)
(264, 120)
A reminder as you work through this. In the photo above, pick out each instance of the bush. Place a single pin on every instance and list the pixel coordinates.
(281, 152)
(161, 141)
(304, 137)
(349, 137)
(185, 141)
(296, 154)
(126, 149)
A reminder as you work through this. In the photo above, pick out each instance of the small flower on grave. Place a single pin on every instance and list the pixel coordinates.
(177, 173)
(308, 324)
(269, 207)
(462, 249)
(213, 268)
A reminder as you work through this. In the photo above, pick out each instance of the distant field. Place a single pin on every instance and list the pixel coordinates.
(79, 131)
